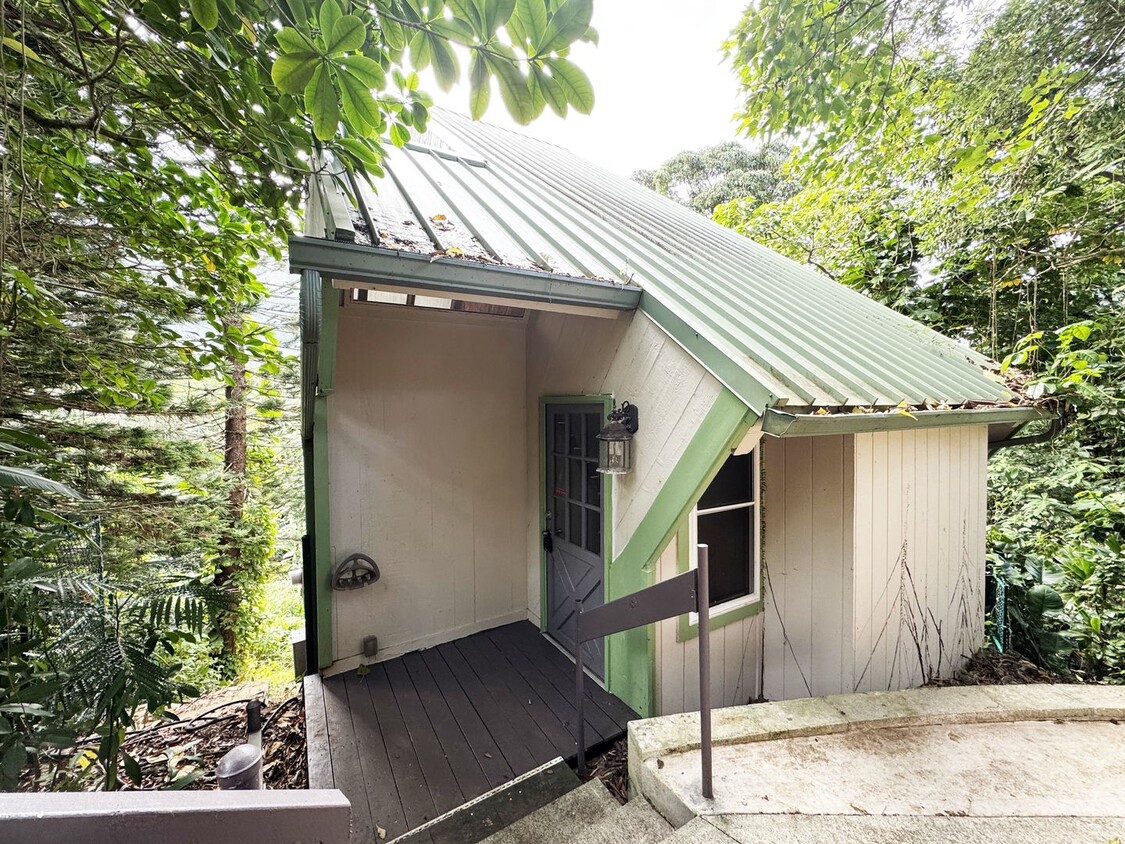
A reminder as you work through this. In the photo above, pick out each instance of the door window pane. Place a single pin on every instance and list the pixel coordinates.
(593, 485)
(558, 438)
(574, 535)
(574, 435)
(593, 425)
(731, 486)
(558, 517)
(576, 480)
(727, 536)
(594, 532)
(558, 478)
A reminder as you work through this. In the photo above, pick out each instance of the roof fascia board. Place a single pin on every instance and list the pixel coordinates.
(726, 369)
(779, 423)
(460, 278)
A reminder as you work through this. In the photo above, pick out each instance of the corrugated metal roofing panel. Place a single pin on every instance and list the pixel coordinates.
(773, 330)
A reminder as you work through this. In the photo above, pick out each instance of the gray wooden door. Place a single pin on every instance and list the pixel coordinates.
(576, 561)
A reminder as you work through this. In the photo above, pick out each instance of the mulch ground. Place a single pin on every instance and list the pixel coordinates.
(612, 768)
(987, 667)
(185, 754)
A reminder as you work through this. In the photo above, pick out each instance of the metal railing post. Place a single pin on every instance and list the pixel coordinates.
(703, 600)
(578, 690)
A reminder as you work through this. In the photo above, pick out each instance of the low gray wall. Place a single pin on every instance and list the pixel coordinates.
(187, 817)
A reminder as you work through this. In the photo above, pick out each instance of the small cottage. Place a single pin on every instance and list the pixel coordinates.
(468, 328)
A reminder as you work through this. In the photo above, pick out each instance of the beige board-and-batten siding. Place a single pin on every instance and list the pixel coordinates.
(630, 359)
(873, 559)
(427, 428)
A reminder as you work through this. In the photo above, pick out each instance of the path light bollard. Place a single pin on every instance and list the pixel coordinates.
(240, 769)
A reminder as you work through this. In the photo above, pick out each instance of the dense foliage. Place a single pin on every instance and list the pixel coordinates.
(151, 155)
(964, 165)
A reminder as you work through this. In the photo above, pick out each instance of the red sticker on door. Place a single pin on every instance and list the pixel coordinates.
(560, 491)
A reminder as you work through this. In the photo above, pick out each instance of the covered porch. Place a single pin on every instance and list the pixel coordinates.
(423, 733)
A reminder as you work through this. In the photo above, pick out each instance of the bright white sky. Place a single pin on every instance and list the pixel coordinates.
(660, 84)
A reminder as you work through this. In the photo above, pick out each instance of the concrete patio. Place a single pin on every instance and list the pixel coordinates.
(984, 763)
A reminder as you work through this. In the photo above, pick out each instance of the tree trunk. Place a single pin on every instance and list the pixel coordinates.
(234, 462)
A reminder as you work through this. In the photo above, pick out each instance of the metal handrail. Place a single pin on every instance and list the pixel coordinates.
(670, 598)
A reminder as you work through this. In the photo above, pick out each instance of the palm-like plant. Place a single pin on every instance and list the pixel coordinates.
(83, 651)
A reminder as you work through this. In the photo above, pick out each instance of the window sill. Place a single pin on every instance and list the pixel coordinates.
(686, 631)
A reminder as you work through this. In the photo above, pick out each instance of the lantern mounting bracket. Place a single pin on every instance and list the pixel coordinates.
(628, 415)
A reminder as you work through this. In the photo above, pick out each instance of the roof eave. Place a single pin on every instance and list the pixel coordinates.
(454, 277)
(779, 423)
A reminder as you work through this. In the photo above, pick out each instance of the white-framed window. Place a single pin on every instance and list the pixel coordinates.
(727, 519)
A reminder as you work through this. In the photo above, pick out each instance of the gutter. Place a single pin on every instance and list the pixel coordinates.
(1058, 424)
(454, 277)
(779, 423)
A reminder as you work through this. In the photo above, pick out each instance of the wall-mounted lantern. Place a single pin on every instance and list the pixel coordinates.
(615, 441)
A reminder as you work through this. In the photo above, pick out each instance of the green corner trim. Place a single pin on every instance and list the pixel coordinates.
(326, 377)
(685, 630)
(631, 656)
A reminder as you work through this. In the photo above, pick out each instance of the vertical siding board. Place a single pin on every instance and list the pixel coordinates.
(849, 513)
(827, 535)
(773, 561)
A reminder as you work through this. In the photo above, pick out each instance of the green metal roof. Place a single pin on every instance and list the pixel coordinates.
(775, 332)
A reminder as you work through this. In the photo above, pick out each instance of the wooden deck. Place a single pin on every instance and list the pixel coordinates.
(421, 734)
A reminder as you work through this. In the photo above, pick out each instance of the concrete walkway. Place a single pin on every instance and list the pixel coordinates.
(1007, 763)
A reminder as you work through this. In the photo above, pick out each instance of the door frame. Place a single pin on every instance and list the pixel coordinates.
(606, 401)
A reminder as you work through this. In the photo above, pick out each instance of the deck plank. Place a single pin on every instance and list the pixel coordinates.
(466, 767)
(481, 742)
(492, 667)
(346, 767)
(420, 734)
(318, 746)
(417, 804)
(551, 658)
(440, 780)
(560, 702)
(378, 778)
(503, 716)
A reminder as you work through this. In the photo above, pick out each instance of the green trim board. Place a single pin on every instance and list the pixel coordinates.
(449, 276)
(631, 656)
(781, 423)
(685, 630)
(606, 402)
(322, 539)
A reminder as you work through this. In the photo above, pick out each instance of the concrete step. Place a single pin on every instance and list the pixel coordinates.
(497, 809)
(563, 821)
(697, 831)
(634, 823)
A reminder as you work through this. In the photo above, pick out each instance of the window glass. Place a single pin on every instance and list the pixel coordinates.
(559, 435)
(731, 486)
(727, 537)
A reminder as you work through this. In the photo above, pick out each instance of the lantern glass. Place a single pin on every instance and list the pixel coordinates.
(615, 455)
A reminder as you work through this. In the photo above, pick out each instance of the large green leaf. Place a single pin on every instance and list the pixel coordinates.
(14, 476)
(360, 109)
(368, 71)
(494, 14)
(574, 83)
(329, 13)
(292, 41)
(292, 71)
(567, 24)
(551, 90)
(321, 104)
(446, 69)
(205, 12)
(1042, 599)
(514, 90)
(528, 23)
(455, 30)
(480, 86)
(348, 35)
